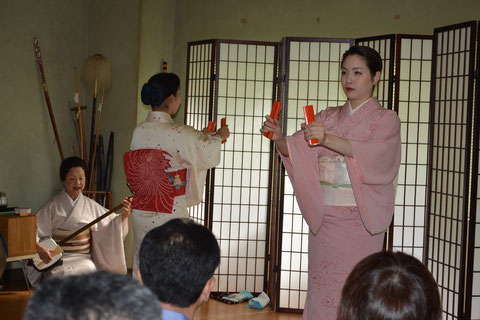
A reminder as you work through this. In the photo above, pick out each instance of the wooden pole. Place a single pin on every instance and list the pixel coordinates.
(92, 161)
(38, 55)
(80, 118)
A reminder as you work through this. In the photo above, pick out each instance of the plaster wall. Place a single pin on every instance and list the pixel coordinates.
(271, 20)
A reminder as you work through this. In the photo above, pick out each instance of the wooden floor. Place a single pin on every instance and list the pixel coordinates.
(212, 310)
(215, 310)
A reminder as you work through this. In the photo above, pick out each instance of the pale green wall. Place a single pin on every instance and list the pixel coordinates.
(68, 31)
(271, 20)
(114, 32)
(156, 44)
(29, 158)
(137, 35)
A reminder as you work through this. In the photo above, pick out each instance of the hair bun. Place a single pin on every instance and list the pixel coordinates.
(151, 95)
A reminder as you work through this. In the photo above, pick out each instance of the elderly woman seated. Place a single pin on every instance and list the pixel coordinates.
(99, 247)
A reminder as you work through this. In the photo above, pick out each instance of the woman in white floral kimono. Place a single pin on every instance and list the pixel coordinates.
(99, 247)
(167, 166)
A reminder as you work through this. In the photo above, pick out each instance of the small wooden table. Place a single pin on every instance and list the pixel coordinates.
(19, 233)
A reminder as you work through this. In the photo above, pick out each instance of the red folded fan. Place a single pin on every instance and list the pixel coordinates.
(211, 126)
(309, 118)
(274, 114)
(223, 124)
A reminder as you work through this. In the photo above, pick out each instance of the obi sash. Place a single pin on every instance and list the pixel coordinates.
(153, 186)
(335, 182)
(78, 244)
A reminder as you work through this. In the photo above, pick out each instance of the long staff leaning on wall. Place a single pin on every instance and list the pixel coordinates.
(38, 56)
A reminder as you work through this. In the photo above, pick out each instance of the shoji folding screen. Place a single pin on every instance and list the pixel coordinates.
(249, 203)
(411, 101)
(409, 95)
(311, 76)
(236, 80)
(453, 251)
(199, 102)
(314, 78)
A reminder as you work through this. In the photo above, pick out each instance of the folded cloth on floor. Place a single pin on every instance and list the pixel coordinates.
(259, 302)
(219, 295)
(238, 297)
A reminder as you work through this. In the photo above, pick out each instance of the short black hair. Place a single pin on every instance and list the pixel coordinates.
(177, 259)
(390, 285)
(159, 87)
(372, 58)
(93, 296)
(70, 163)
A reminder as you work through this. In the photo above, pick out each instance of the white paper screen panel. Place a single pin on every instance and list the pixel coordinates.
(414, 72)
(246, 74)
(313, 78)
(449, 175)
(199, 88)
(384, 47)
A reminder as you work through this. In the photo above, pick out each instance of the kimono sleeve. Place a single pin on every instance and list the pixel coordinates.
(107, 241)
(373, 170)
(298, 150)
(199, 150)
(199, 153)
(302, 168)
(44, 221)
(50, 216)
(376, 161)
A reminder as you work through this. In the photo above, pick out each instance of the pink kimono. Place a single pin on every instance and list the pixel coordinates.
(340, 236)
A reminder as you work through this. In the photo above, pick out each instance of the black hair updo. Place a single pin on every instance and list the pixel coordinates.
(159, 87)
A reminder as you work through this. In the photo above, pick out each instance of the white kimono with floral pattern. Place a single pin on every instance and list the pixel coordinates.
(188, 149)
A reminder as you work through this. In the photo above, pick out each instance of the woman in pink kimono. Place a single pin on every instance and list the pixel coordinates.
(97, 248)
(345, 186)
(167, 166)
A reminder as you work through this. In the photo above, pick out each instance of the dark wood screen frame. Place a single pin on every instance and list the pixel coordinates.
(396, 107)
(463, 304)
(371, 42)
(272, 186)
(284, 87)
(277, 173)
(474, 192)
(213, 116)
(208, 111)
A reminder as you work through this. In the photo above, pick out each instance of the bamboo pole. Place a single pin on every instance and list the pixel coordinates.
(38, 55)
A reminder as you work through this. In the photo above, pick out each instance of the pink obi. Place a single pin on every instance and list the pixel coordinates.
(335, 182)
(154, 188)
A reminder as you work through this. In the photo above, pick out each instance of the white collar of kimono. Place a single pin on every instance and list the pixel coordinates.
(72, 202)
(352, 111)
(159, 116)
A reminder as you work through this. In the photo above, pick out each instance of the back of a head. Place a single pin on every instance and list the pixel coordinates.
(93, 296)
(159, 87)
(177, 259)
(390, 286)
